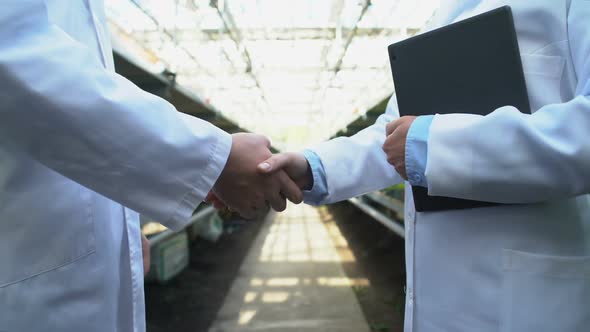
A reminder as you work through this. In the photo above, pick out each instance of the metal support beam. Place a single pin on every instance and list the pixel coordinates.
(234, 33)
(351, 35)
(255, 34)
(170, 35)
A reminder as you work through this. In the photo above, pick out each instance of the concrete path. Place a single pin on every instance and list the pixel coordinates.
(292, 279)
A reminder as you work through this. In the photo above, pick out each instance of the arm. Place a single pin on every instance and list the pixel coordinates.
(510, 157)
(357, 165)
(344, 167)
(61, 108)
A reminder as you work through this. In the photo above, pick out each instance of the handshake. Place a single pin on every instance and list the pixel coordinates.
(254, 180)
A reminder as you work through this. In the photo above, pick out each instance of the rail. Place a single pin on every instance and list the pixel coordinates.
(386, 210)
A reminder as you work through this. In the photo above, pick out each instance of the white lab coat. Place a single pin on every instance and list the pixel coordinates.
(77, 143)
(511, 268)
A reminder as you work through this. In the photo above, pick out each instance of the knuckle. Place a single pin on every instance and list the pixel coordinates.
(389, 130)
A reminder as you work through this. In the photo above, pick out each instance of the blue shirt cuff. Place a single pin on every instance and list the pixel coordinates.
(319, 189)
(417, 150)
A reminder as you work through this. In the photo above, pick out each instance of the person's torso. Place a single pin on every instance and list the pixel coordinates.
(507, 268)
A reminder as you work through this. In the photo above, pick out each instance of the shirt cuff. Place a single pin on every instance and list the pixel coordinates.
(319, 189)
(417, 150)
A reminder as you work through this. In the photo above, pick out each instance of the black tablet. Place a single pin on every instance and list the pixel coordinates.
(471, 66)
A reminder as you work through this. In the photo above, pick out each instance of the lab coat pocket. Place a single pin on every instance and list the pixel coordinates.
(49, 236)
(543, 75)
(545, 293)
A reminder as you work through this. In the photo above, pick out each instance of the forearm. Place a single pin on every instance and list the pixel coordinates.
(63, 109)
(357, 165)
(510, 157)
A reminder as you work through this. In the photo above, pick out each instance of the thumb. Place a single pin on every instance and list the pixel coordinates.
(274, 163)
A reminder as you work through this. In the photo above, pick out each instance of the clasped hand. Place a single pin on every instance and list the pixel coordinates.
(395, 143)
(244, 189)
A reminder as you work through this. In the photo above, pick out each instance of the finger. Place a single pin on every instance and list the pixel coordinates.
(289, 188)
(256, 204)
(391, 161)
(389, 149)
(261, 208)
(277, 201)
(274, 163)
(272, 193)
(388, 144)
(390, 128)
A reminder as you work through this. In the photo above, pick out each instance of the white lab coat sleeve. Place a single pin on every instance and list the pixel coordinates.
(357, 165)
(510, 157)
(61, 107)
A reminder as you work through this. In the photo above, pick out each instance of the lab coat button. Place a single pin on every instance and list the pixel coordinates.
(416, 178)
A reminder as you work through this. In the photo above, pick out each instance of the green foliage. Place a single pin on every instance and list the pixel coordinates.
(395, 191)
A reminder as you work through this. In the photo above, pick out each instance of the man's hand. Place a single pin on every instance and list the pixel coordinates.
(243, 189)
(395, 143)
(293, 163)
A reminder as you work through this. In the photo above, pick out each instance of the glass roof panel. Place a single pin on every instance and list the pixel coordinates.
(297, 71)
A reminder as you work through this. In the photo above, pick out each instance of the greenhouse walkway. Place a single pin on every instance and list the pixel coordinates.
(292, 279)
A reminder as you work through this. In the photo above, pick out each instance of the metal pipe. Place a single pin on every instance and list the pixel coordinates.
(375, 214)
(171, 36)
